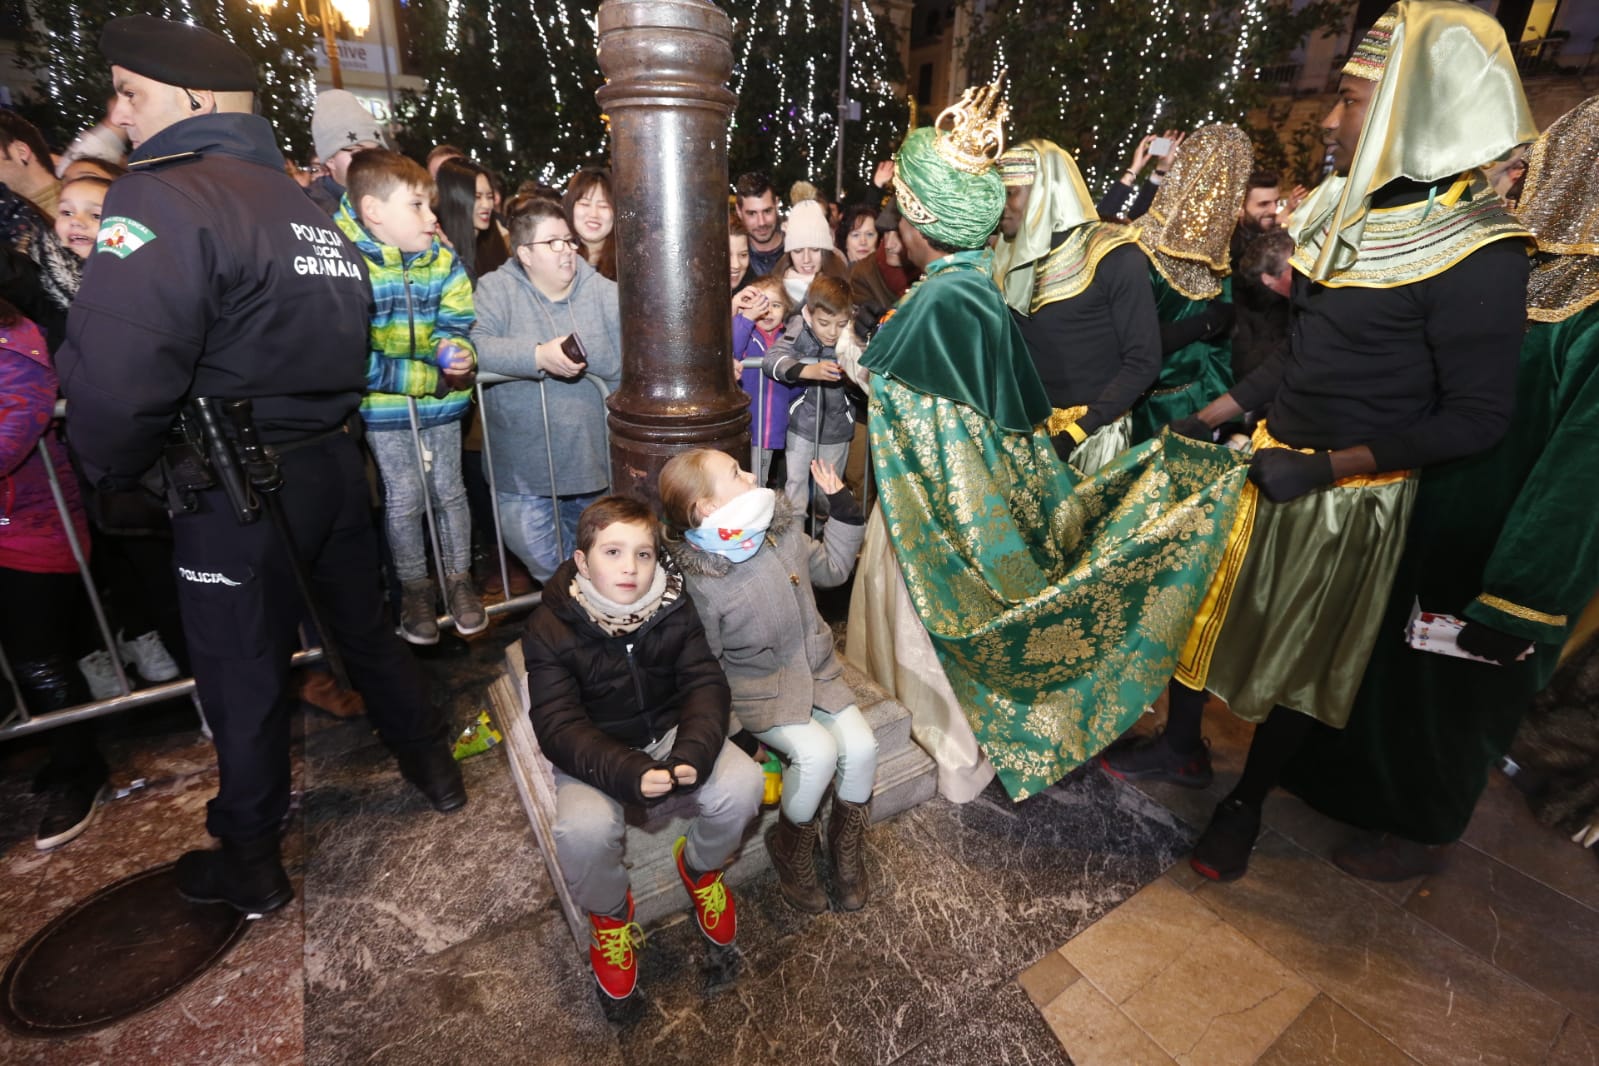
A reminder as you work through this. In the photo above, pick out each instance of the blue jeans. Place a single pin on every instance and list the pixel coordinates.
(527, 526)
(394, 452)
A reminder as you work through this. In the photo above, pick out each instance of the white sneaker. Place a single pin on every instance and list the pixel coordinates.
(149, 655)
(101, 674)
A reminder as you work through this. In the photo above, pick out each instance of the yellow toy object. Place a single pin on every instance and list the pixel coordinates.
(477, 738)
(774, 780)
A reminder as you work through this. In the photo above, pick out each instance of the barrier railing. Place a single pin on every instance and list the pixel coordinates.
(757, 451)
(21, 721)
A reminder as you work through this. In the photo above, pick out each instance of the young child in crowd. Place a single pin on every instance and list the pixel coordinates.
(738, 254)
(78, 213)
(759, 312)
(133, 566)
(750, 568)
(420, 351)
(821, 419)
(630, 705)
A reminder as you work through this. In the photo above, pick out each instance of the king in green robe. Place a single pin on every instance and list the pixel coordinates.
(1016, 616)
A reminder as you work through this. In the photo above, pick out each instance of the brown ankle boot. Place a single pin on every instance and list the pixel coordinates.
(846, 830)
(793, 851)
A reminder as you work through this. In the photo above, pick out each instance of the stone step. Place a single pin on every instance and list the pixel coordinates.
(905, 778)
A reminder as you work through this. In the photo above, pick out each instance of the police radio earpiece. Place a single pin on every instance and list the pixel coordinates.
(194, 105)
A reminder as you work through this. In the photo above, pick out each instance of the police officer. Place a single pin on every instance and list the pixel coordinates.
(214, 276)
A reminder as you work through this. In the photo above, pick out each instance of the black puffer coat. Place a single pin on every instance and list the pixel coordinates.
(598, 700)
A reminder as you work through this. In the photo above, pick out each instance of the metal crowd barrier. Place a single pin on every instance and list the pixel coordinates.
(757, 452)
(21, 722)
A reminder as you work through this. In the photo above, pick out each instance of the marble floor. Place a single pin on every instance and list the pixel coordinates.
(1065, 929)
(1495, 959)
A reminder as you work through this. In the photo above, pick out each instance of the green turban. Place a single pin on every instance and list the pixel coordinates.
(954, 207)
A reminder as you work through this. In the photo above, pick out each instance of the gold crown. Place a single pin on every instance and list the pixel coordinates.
(976, 134)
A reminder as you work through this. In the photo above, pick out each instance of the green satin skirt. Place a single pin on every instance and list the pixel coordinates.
(1307, 603)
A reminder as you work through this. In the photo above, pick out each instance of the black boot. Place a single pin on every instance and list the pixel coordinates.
(247, 875)
(436, 774)
(793, 850)
(74, 778)
(845, 832)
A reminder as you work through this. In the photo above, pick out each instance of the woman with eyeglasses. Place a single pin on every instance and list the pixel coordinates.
(549, 319)
(466, 216)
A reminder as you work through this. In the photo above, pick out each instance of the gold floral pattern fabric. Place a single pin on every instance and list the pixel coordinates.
(1056, 612)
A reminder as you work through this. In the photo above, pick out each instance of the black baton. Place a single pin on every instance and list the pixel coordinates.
(260, 464)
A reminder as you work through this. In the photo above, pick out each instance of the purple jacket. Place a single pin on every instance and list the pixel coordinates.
(32, 537)
(769, 399)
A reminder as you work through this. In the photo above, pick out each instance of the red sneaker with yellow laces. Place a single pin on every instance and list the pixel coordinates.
(612, 944)
(713, 904)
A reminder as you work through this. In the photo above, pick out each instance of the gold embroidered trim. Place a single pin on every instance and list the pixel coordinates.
(1064, 419)
(1194, 281)
(1516, 610)
(1410, 243)
(1068, 270)
(916, 212)
(1562, 287)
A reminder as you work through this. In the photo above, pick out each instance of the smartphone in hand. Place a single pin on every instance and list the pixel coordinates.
(573, 349)
(1160, 146)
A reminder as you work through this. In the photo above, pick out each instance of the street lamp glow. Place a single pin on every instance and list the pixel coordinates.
(357, 14)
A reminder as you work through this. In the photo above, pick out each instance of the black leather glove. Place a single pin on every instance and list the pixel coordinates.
(1192, 428)
(1219, 315)
(1491, 643)
(1283, 474)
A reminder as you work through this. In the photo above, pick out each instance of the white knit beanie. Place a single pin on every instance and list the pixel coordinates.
(807, 227)
(340, 121)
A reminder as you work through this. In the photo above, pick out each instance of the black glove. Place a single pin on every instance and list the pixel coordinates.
(1193, 429)
(1219, 315)
(1283, 474)
(841, 507)
(1491, 643)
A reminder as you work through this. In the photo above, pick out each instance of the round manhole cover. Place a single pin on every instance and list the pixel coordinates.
(123, 949)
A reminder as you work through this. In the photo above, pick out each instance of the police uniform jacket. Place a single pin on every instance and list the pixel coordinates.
(213, 275)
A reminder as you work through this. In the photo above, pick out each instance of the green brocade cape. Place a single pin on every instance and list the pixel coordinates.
(1057, 613)
(1507, 538)
(1190, 377)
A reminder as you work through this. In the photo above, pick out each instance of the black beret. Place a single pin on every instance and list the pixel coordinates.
(175, 53)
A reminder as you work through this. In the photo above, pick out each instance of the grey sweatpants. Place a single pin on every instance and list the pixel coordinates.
(590, 831)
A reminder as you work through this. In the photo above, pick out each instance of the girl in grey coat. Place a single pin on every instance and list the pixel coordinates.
(750, 569)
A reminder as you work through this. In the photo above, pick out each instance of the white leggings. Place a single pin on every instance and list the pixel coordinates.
(830, 747)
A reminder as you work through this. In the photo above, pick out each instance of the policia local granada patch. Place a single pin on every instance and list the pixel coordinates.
(122, 236)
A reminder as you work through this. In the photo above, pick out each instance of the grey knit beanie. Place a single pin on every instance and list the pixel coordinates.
(340, 121)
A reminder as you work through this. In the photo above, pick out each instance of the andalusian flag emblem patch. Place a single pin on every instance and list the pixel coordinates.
(122, 236)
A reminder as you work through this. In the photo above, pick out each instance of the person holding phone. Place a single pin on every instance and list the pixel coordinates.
(550, 319)
(1120, 200)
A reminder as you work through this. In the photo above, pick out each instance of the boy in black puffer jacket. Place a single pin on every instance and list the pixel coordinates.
(630, 705)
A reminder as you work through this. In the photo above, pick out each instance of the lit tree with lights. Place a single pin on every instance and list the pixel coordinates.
(512, 82)
(786, 76)
(61, 48)
(1096, 75)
